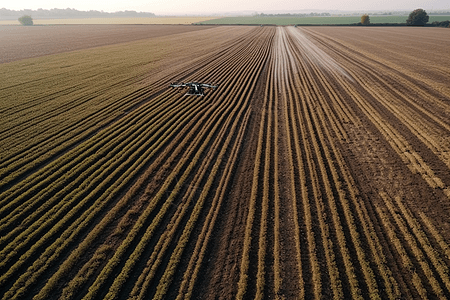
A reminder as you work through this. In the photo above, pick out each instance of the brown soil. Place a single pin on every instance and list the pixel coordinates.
(319, 168)
(20, 42)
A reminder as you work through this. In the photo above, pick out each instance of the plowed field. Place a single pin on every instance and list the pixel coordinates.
(319, 169)
(20, 42)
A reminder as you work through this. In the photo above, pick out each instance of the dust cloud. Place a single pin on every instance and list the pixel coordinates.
(314, 54)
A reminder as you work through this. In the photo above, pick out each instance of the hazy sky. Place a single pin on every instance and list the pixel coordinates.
(221, 6)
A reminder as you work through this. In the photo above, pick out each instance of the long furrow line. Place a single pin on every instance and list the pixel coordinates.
(432, 265)
(47, 238)
(30, 158)
(41, 152)
(434, 87)
(165, 280)
(168, 275)
(171, 153)
(80, 103)
(260, 162)
(65, 214)
(208, 227)
(417, 250)
(178, 186)
(64, 164)
(398, 141)
(355, 213)
(292, 280)
(62, 167)
(36, 202)
(286, 64)
(232, 90)
(331, 196)
(351, 225)
(429, 126)
(72, 165)
(299, 156)
(347, 193)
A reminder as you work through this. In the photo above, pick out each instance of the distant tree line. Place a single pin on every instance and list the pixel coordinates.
(417, 17)
(441, 24)
(294, 15)
(68, 13)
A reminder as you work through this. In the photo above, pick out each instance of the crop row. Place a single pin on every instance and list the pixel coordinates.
(57, 207)
(123, 200)
(71, 187)
(339, 237)
(416, 252)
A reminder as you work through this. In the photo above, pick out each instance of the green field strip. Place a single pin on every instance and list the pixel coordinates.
(311, 20)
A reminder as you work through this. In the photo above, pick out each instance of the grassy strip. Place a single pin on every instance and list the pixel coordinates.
(333, 20)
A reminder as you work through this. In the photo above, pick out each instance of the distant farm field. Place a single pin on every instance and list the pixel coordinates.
(114, 21)
(19, 42)
(318, 169)
(313, 20)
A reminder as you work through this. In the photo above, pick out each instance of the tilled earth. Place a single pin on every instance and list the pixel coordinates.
(19, 42)
(318, 169)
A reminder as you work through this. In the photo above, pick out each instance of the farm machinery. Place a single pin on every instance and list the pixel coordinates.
(194, 88)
